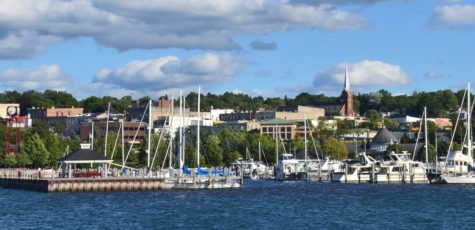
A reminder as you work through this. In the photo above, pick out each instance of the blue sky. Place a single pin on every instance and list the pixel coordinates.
(259, 47)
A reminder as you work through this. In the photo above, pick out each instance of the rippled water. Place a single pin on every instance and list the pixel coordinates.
(259, 205)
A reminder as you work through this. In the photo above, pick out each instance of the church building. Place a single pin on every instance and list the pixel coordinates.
(344, 107)
(346, 98)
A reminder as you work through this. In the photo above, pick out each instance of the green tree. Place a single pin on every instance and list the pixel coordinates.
(335, 149)
(23, 159)
(55, 148)
(37, 151)
(213, 151)
(9, 160)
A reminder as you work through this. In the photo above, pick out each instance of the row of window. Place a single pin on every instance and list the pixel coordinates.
(457, 163)
(271, 129)
(287, 136)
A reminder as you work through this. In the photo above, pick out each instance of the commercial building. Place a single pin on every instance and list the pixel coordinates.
(279, 127)
(130, 130)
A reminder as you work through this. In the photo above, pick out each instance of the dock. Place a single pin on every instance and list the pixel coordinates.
(28, 180)
(84, 184)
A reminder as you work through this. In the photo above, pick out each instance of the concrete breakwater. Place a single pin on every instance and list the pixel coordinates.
(84, 184)
(49, 181)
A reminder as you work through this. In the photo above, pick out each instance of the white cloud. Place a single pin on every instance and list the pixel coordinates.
(24, 44)
(189, 24)
(151, 77)
(39, 79)
(453, 17)
(363, 75)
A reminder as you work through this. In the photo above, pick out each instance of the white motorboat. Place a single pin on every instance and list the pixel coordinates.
(287, 168)
(401, 169)
(359, 172)
(251, 169)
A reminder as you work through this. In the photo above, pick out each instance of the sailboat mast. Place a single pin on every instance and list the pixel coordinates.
(123, 143)
(171, 135)
(107, 129)
(184, 131)
(260, 151)
(149, 132)
(180, 151)
(198, 131)
(276, 146)
(92, 136)
(469, 122)
(305, 134)
(426, 144)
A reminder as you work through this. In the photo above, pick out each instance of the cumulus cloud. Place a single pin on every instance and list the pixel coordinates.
(453, 17)
(39, 79)
(188, 24)
(262, 45)
(168, 74)
(24, 44)
(363, 75)
(153, 77)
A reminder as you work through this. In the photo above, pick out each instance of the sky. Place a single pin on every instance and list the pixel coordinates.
(269, 48)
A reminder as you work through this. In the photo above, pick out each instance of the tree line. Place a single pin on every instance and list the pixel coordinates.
(440, 103)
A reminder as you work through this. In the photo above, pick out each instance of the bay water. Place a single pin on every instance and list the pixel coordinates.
(258, 205)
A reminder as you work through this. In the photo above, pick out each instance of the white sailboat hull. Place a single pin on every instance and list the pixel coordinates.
(351, 178)
(464, 179)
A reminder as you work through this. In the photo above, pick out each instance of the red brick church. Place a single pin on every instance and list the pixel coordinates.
(346, 98)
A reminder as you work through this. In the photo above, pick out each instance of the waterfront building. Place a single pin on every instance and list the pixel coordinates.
(286, 129)
(286, 113)
(130, 129)
(45, 113)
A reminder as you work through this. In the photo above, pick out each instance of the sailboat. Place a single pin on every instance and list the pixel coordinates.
(459, 164)
(198, 178)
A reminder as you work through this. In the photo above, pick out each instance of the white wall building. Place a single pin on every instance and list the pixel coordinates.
(216, 112)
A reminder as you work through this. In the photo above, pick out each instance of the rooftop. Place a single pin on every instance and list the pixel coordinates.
(278, 121)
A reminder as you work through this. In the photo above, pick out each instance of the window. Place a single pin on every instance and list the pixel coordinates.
(282, 129)
(288, 129)
(264, 130)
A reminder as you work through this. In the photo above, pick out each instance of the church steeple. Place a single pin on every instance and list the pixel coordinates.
(347, 97)
(347, 80)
